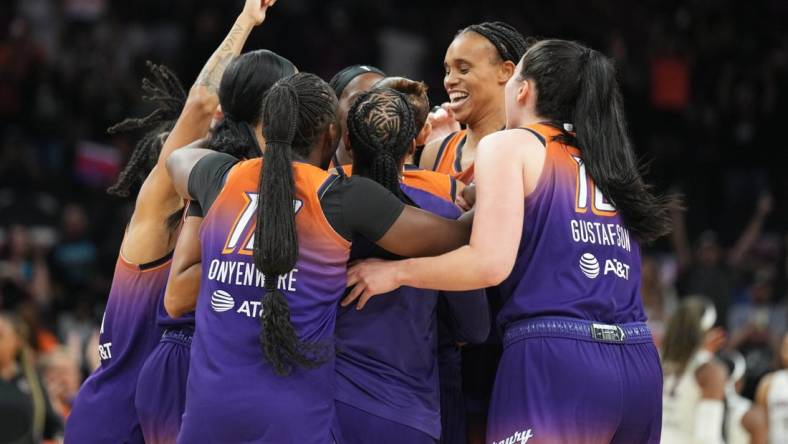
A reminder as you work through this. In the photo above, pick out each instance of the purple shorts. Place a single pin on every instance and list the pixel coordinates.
(573, 381)
(161, 387)
(355, 426)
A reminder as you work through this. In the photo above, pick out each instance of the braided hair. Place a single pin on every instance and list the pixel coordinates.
(509, 43)
(164, 90)
(381, 128)
(241, 90)
(297, 112)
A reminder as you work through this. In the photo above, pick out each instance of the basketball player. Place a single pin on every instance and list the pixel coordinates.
(387, 368)
(240, 93)
(104, 409)
(439, 184)
(694, 385)
(478, 63)
(275, 383)
(347, 85)
(745, 423)
(579, 365)
(772, 394)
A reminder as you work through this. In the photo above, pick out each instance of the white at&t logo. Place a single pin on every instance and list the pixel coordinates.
(589, 266)
(221, 301)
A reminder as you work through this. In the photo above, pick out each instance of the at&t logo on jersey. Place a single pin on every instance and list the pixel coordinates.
(589, 266)
(222, 301)
(517, 438)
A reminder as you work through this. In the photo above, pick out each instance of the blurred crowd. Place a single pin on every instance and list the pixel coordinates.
(705, 83)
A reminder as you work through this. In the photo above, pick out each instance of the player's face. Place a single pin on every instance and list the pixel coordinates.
(472, 77)
(358, 85)
(512, 95)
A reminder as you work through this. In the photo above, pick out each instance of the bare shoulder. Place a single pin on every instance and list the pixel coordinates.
(711, 378)
(762, 392)
(430, 154)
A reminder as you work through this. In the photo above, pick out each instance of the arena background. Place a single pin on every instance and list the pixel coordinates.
(706, 92)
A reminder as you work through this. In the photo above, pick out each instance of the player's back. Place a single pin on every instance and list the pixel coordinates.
(576, 258)
(104, 408)
(386, 353)
(680, 397)
(227, 363)
(777, 405)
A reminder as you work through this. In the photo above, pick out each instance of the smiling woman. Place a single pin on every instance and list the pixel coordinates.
(478, 63)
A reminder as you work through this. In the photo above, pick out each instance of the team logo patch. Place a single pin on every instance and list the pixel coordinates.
(221, 301)
(589, 266)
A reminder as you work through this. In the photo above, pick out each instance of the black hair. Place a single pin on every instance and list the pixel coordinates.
(341, 79)
(297, 111)
(241, 90)
(164, 90)
(381, 128)
(578, 85)
(509, 43)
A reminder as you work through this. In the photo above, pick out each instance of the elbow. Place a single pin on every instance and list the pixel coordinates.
(493, 272)
(201, 101)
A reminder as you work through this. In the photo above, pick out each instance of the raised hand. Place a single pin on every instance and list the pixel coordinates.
(255, 10)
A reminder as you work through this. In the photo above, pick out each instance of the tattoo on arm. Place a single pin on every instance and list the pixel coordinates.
(212, 72)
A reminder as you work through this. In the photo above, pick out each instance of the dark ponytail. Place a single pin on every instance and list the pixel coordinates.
(297, 111)
(578, 85)
(241, 90)
(381, 128)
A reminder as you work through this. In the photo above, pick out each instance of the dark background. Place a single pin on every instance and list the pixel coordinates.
(705, 85)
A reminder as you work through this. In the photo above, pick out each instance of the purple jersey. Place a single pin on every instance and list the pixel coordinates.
(232, 392)
(576, 258)
(386, 354)
(104, 408)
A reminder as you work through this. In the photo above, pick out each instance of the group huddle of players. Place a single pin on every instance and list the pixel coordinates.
(261, 292)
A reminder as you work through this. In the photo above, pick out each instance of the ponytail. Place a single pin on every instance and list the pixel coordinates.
(578, 85)
(291, 124)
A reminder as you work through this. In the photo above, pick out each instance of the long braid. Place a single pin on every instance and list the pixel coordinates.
(166, 92)
(509, 43)
(297, 111)
(381, 128)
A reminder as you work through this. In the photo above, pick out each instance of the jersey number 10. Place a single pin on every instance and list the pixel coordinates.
(585, 186)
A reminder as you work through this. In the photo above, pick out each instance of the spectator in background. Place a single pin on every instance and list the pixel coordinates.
(62, 377)
(24, 275)
(74, 259)
(712, 271)
(757, 326)
(659, 298)
(26, 415)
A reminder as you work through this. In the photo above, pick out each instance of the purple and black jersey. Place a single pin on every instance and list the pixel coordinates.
(387, 353)
(233, 394)
(576, 258)
(104, 408)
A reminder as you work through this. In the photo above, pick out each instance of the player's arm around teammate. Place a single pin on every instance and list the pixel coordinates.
(504, 159)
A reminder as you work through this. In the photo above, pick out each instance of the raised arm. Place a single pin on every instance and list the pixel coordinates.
(752, 231)
(157, 198)
(497, 228)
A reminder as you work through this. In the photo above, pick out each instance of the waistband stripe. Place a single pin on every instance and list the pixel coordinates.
(581, 329)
